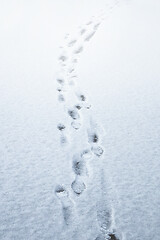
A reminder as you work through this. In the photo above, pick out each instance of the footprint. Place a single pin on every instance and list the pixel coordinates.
(59, 89)
(81, 97)
(96, 26)
(67, 204)
(61, 191)
(112, 236)
(78, 186)
(71, 43)
(71, 83)
(82, 31)
(74, 114)
(93, 137)
(78, 50)
(75, 60)
(86, 154)
(104, 218)
(63, 58)
(61, 98)
(89, 23)
(61, 126)
(76, 124)
(71, 70)
(63, 140)
(78, 106)
(60, 81)
(97, 150)
(66, 36)
(63, 65)
(74, 76)
(79, 166)
(67, 214)
(87, 105)
(89, 36)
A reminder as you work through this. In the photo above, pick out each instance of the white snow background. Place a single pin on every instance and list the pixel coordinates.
(120, 74)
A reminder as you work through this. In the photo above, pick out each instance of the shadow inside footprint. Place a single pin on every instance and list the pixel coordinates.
(63, 58)
(93, 138)
(61, 98)
(61, 127)
(78, 106)
(71, 43)
(73, 114)
(87, 106)
(79, 167)
(67, 204)
(82, 31)
(63, 140)
(61, 192)
(71, 82)
(89, 23)
(82, 97)
(96, 26)
(112, 236)
(75, 60)
(67, 214)
(71, 70)
(78, 186)
(89, 36)
(59, 89)
(78, 50)
(74, 76)
(60, 81)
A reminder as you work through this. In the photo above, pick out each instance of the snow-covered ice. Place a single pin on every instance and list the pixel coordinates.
(79, 120)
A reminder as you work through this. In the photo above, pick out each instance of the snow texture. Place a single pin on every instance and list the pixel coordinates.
(79, 151)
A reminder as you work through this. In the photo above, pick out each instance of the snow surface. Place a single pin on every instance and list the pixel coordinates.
(79, 120)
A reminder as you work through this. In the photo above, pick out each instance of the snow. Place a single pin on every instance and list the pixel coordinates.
(79, 158)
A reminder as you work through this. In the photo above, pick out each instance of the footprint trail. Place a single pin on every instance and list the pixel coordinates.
(67, 204)
(74, 103)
